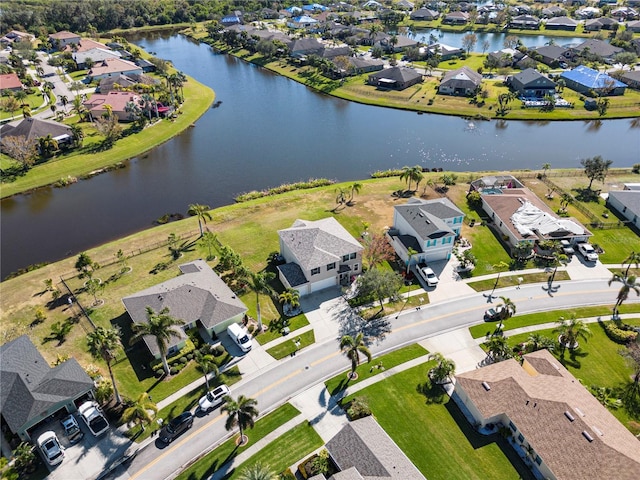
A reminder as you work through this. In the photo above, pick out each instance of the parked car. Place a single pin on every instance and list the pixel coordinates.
(494, 314)
(588, 252)
(428, 275)
(72, 429)
(50, 447)
(213, 398)
(240, 336)
(567, 248)
(93, 417)
(175, 427)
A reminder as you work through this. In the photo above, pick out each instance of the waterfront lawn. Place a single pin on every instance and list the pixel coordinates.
(366, 370)
(288, 347)
(214, 460)
(539, 318)
(284, 451)
(432, 431)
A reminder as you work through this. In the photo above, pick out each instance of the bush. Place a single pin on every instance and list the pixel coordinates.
(618, 333)
(173, 370)
(287, 475)
(190, 357)
(358, 408)
(635, 168)
(218, 351)
(251, 328)
(183, 360)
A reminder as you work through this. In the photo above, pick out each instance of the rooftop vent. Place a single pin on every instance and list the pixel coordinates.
(598, 431)
(569, 416)
(486, 386)
(587, 435)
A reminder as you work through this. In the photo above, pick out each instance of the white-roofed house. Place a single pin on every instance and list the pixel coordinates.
(319, 254)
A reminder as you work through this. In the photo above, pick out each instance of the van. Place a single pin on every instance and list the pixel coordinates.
(240, 336)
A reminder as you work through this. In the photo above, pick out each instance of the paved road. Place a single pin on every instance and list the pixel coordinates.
(279, 382)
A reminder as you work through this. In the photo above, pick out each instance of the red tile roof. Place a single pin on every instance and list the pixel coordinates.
(10, 81)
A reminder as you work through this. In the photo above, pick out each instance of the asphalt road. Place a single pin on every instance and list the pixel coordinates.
(278, 384)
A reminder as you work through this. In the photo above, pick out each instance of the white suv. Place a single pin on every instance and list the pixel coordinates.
(588, 252)
(93, 418)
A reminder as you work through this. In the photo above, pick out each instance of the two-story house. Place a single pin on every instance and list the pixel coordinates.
(319, 254)
(428, 227)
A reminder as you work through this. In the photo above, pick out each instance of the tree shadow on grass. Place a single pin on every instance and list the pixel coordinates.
(432, 392)
(137, 355)
(571, 358)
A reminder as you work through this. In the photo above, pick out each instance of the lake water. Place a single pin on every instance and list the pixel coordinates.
(270, 130)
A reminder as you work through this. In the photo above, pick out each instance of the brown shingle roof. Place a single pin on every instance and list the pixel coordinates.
(536, 402)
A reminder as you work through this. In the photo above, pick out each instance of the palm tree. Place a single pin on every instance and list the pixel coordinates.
(443, 370)
(140, 411)
(537, 341)
(497, 347)
(412, 173)
(259, 283)
(341, 196)
(77, 134)
(64, 100)
(258, 471)
(352, 347)
(628, 283)
(570, 331)
(200, 211)
(545, 167)
(290, 296)
(410, 252)
(103, 343)
(207, 364)
(355, 188)
(161, 327)
(241, 413)
(633, 258)
(509, 308)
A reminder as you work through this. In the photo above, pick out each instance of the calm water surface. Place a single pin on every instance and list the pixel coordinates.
(270, 130)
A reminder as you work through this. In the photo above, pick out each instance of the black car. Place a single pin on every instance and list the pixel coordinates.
(175, 427)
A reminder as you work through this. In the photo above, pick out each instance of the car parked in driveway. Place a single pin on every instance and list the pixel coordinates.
(428, 275)
(176, 427)
(213, 398)
(50, 447)
(567, 248)
(93, 417)
(588, 252)
(72, 429)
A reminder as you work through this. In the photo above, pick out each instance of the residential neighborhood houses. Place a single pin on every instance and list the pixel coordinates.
(556, 426)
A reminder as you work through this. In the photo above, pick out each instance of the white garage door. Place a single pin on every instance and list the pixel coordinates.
(322, 284)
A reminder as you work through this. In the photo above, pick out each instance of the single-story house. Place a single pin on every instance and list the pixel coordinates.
(631, 78)
(597, 48)
(561, 23)
(424, 14)
(461, 82)
(34, 128)
(84, 45)
(634, 26)
(95, 55)
(456, 18)
(363, 450)
(525, 22)
(107, 84)
(234, 18)
(506, 57)
(303, 21)
(15, 36)
(301, 47)
(365, 65)
(624, 13)
(627, 203)
(198, 297)
(445, 51)
(564, 431)
(587, 12)
(586, 80)
(402, 43)
(602, 23)
(531, 83)
(318, 254)
(429, 227)
(551, 55)
(333, 52)
(553, 11)
(10, 82)
(521, 217)
(397, 78)
(146, 65)
(59, 40)
(31, 391)
(113, 67)
(117, 100)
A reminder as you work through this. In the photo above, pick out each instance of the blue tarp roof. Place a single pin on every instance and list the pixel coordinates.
(305, 19)
(591, 78)
(314, 6)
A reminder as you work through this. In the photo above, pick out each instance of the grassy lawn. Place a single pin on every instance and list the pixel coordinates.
(287, 348)
(596, 362)
(284, 451)
(512, 280)
(270, 334)
(433, 433)
(367, 370)
(211, 462)
(481, 330)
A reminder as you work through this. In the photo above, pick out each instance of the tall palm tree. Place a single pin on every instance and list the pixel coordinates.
(537, 341)
(352, 347)
(200, 211)
(355, 188)
(290, 296)
(140, 411)
(410, 174)
(241, 413)
(258, 471)
(410, 252)
(633, 258)
(259, 283)
(628, 283)
(443, 370)
(103, 343)
(161, 326)
(545, 168)
(509, 308)
(64, 100)
(497, 347)
(207, 364)
(571, 330)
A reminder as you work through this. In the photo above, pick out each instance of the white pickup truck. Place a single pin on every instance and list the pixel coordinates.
(428, 275)
(588, 252)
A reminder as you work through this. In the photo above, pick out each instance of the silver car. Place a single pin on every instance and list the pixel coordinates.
(50, 447)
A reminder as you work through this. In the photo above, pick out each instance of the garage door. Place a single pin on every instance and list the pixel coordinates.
(322, 284)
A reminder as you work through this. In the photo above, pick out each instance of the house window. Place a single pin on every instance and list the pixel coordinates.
(447, 240)
(355, 267)
(520, 438)
(345, 258)
(331, 266)
(538, 459)
(512, 426)
(352, 256)
(315, 271)
(431, 243)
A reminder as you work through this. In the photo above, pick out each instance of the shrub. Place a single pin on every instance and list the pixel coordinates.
(618, 334)
(173, 370)
(358, 408)
(218, 351)
(183, 360)
(190, 357)
(635, 168)
(251, 328)
(287, 475)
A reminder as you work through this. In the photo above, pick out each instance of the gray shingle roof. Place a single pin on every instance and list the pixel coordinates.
(628, 198)
(427, 217)
(28, 386)
(197, 294)
(293, 273)
(363, 444)
(34, 128)
(461, 78)
(318, 243)
(533, 78)
(598, 47)
(399, 74)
